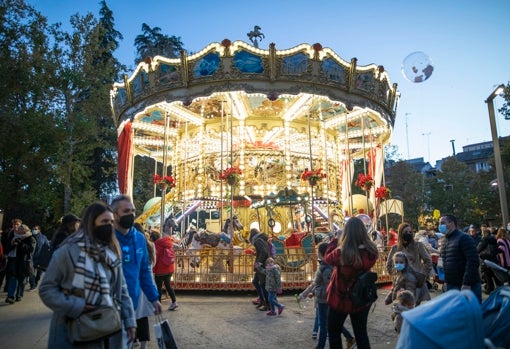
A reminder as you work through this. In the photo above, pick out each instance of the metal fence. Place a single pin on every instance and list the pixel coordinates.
(217, 269)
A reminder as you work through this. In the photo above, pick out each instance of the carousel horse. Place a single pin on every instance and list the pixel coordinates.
(169, 226)
(196, 240)
(255, 35)
(234, 229)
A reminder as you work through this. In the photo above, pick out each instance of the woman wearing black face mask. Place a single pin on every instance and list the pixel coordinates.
(417, 255)
(85, 273)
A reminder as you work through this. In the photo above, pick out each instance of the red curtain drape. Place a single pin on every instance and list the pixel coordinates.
(124, 153)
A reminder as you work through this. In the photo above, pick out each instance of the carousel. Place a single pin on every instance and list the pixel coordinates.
(249, 137)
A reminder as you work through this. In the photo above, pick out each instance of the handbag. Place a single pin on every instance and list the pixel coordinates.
(93, 325)
(29, 268)
(163, 334)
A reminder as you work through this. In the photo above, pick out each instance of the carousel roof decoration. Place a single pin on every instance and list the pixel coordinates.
(269, 112)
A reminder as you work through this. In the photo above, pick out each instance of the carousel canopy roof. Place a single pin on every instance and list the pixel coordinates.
(235, 88)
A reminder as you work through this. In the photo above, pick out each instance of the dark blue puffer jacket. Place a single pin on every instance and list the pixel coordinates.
(460, 259)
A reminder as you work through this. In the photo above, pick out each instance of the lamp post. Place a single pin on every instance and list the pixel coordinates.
(497, 154)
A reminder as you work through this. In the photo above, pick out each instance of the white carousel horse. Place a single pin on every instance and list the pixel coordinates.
(234, 228)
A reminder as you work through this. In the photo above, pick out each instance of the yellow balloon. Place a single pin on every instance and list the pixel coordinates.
(436, 214)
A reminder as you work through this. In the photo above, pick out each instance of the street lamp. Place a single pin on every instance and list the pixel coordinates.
(497, 153)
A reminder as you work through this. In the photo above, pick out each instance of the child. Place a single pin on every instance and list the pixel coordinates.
(318, 289)
(273, 285)
(404, 301)
(405, 278)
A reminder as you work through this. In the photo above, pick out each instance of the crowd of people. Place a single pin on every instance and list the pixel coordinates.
(105, 259)
(98, 260)
(458, 253)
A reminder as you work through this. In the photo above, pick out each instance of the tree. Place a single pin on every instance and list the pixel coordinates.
(152, 43)
(57, 137)
(27, 177)
(505, 109)
(106, 67)
(451, 191)
(406, 185)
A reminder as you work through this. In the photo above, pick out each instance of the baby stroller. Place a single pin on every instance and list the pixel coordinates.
(438, 272)
(451, 320)
(501, 273)
(455, 319)
(496, 318)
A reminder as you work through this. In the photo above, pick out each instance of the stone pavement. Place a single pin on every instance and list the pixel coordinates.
(204, 320)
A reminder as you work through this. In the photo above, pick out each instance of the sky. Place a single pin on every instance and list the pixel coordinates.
(467, 42)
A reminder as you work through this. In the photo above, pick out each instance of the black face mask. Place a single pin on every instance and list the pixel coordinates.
(127, 221)
(104, 233)
(407, 237)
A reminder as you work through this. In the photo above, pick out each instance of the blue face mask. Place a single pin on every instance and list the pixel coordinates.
(399, 266)
(442, 228)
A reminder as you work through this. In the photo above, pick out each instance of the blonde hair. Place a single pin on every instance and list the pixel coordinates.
(501, 234)
(269, 260)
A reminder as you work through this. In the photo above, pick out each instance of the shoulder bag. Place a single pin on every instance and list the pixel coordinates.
(93, 325)
(99, 323)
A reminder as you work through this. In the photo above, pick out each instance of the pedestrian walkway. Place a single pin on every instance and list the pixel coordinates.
(203, 320)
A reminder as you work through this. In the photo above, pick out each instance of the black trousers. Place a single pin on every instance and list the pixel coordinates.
(359, 320)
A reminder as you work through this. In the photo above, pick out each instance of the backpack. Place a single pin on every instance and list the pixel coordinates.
(364, 289)
(168, 257)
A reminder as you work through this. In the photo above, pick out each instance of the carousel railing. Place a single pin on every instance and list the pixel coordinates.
(216, 269)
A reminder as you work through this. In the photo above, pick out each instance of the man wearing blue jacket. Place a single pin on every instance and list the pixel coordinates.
(135, 261)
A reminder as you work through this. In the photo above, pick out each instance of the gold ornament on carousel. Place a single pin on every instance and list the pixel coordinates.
(312, 176)
(231, 175)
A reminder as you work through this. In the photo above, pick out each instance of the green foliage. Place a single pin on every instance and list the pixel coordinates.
(143, 187)
(406, 185)
(505, 109)
(57, 137)
(152, 43)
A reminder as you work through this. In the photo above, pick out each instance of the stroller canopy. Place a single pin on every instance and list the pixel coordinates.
(451, 320)
(496, 317)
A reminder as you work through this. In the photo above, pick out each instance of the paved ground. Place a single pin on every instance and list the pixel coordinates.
(203, 320)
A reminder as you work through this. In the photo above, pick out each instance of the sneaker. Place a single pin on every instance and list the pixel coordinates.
(349, 343)
(280, 309)
(256, 301)
(314, 335)
(172, 306)
(18, 299)
(271, 313)
(9, 300)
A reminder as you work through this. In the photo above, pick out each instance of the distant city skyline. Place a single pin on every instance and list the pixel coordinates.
(465, 41)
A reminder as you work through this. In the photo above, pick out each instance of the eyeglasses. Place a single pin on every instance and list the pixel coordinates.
(126, 258)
